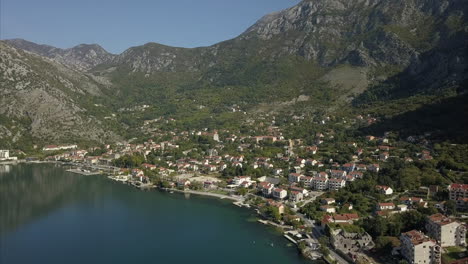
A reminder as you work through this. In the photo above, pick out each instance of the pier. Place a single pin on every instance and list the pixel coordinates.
(84, 172)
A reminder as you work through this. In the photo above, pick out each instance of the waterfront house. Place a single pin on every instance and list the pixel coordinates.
(4, 154)
(266, 188)
(278, 205)
(238, 180)
(208, 185)
(138, 174)
(183, 183)
(246, 184)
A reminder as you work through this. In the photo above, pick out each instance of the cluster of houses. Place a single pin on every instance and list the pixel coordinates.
(305, 173)
(406, 203)
(332, 179)
(417, 247)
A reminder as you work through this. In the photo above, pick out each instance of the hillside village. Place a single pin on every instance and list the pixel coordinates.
(347, 198)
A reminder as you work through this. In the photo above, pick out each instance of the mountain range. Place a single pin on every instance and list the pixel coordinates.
(325, 54)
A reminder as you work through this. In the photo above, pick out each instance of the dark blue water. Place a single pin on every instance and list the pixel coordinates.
(48, 215)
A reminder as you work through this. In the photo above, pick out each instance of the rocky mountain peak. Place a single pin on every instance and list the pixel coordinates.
(81, 57)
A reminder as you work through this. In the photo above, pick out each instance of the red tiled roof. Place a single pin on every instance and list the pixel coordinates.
(459, 186)
(440, 219)
(416, 237)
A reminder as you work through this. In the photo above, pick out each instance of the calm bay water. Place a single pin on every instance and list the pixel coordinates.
(48, 215)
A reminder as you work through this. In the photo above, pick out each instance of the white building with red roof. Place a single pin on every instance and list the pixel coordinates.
(336, 184)
(295, 177)
(458, 190)
(296, 196)
(417, 248)
(339, 219)
(384, 189)
(266, 188)
(307, 181)
(385, 206)
(446, 231)
(279, 193)
(338, 173)
(319, 183)
(238, 180)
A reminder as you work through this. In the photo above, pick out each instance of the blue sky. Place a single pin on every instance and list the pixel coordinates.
(119, 24)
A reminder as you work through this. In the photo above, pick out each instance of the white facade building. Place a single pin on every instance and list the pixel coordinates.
(417, 248)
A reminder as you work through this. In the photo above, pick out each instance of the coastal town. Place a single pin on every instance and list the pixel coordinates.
(372, 199)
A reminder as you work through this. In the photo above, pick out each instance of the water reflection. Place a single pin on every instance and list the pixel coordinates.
(5, 168)
(30, 191)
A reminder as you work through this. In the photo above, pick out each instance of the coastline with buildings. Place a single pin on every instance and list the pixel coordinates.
(343, 197)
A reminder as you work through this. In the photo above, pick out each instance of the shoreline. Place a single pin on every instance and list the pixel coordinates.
(234, 199)
(215, 195)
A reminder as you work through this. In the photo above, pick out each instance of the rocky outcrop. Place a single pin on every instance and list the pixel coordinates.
(44, 99)
(82, 57)
(365, 33)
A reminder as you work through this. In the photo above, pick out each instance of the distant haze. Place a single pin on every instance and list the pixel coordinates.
(119, 24)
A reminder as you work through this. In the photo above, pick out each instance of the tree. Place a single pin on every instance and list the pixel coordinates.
(196, 185)
(271, 212)
(376, 226)
(302, 245)
(165, 184)
(324, 246)
(242, 191)
(450, 207)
